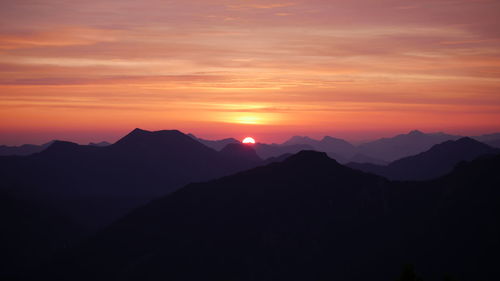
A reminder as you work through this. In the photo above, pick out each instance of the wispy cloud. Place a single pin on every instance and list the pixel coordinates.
(278, 60)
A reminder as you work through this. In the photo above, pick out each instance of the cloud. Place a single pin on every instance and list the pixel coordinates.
(325, 59)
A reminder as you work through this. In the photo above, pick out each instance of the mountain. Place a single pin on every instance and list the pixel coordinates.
(328, 144)
(102, 143)
(93, 186)
(487, 137)
(391, 149)
(306, 218)
(361, 158)
(215, 144)
(25, 149)
(494, 143)
(263, 150)
(275, 150)
(241, 151)
(436, 162)
(31, 233)
(139, 167)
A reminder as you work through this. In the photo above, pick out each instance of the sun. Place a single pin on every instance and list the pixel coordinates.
(248, 140)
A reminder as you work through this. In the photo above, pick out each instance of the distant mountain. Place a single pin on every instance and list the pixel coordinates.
(494, 143)
(102, 143)
(390, 149)
(215, 144)
(274, 150)
(23, 150)
(360, 158)
(306, 218)
(435, 162)
(328, 144)
(487, 137)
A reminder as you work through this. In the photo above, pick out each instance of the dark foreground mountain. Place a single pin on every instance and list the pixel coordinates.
(436, 162)
(306, 218)
(92, 186)
(31, 233)
(100, 183)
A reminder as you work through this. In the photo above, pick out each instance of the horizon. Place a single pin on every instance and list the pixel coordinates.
(316, 136)
(357, 70)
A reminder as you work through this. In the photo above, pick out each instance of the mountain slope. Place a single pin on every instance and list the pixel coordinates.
(215, 144)
(23, 150)
(391, 149)
(93, 186)
(306, 218)
(435, 162)
(139, 167)
(328, 144)
(275, 150)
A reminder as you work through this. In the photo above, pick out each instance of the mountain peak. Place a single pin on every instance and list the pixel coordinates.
(58, 146)
(328, 138)
(468, 140)
(138, 136)
(300, 138)
(415, 133)
(240, 150)
(309, 156)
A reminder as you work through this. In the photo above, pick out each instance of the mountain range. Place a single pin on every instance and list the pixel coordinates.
(120, 211)
(380, 152)
(436, 162)
(306, 218)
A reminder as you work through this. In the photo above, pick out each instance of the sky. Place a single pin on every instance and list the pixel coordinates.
(94, 70)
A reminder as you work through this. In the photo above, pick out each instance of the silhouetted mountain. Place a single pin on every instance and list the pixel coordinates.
(328, 144)
(494, 143)
(23, 150)
(436, 162)
(360, 158)
(137, 168)
(215, 144)
(280, 158)
(487, 137)
(102, 143)
(31, 233)
(306, 218)
(390, 149)
(266, 151)
(94, 185)
(241, 151)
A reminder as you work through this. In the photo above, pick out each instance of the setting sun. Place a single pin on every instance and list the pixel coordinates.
(249, 140)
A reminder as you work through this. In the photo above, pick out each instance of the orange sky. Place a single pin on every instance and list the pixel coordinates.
(94, 70)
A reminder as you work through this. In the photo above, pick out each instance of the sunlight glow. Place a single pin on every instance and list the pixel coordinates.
(248, 120)
(249, 140)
